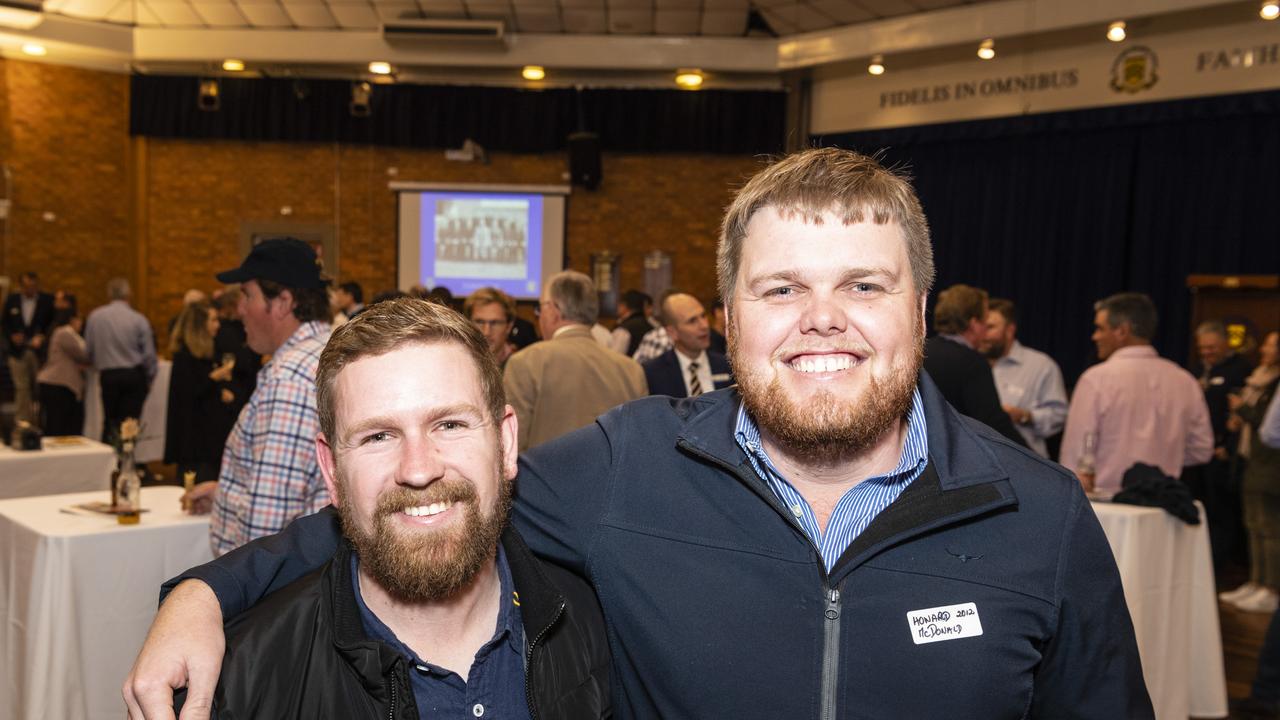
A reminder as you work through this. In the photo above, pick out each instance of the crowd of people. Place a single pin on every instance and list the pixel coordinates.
(409, 413)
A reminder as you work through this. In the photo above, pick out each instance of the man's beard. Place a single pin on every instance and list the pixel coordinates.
(828, 427)
(995, 349)
(432, 565)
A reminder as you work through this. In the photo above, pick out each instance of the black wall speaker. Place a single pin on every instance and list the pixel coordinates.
(584, 160)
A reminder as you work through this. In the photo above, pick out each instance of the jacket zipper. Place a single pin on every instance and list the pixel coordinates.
(528, 661)
(830, 654)
(830, 596)
(391, 712)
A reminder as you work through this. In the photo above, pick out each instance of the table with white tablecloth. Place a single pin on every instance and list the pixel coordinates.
(77, 594)
(1167, 572)
(154, 412)
(66, 464)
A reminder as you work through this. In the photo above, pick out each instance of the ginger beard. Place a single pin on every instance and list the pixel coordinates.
(827, 426)
(434, 564)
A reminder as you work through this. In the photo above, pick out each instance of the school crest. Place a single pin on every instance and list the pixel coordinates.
(1134, 70)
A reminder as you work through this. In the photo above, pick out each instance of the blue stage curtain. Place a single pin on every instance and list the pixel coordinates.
(1059, 210)
(443, 116)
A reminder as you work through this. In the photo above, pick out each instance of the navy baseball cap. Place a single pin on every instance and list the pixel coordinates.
(285, 260)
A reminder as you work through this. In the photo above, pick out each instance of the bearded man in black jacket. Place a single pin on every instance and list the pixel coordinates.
(433, 606)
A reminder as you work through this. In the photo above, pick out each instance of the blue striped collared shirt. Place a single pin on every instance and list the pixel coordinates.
(861, 504)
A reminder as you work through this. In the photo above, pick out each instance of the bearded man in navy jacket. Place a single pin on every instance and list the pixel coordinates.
(829, 539)
(690, 367)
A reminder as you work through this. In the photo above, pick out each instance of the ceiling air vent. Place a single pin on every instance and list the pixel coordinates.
(442, 29)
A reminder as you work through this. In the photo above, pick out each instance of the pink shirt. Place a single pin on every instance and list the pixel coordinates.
(1142, 408)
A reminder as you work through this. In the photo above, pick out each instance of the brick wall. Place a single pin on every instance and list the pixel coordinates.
(66, 146)
(175, 207)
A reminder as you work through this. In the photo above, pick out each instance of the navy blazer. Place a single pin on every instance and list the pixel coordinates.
(41, 322)
(665, 377)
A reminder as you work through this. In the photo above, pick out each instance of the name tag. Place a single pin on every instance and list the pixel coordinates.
(949, 622)
(720, 377)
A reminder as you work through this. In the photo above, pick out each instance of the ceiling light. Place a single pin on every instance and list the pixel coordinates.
(377, 67)
(20, 14)
(1115, 31)
(987, 49)
(877, 65)
(1270, 10)
(232, 65)
(689, 79)
(533, 72)
(34, 49)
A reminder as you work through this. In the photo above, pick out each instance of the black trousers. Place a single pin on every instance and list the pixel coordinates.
(60, 412)
(124, 390)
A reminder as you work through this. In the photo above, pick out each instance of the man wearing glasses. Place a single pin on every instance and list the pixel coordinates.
(493, 312)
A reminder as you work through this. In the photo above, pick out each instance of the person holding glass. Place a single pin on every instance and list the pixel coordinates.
(1261, 487)
(195, 432)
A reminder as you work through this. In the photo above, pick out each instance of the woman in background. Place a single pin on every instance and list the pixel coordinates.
(1261, 487)
(61, 380)
(198, 390)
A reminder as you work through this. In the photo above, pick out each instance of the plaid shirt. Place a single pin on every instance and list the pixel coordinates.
(269, 471)
(653, 344)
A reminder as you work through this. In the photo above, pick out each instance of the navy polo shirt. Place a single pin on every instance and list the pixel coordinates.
(495, 683)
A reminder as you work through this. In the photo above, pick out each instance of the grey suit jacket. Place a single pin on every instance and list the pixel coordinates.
(563, 383)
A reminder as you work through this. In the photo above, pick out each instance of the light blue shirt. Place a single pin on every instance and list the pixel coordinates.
(860, 505)
(116, 336)
(1269, 430)
(1031, 380)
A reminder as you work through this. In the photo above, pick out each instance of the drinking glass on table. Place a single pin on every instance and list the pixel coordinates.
(1087, 463)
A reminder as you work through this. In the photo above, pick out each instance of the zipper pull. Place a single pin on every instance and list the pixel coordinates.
(833, 604)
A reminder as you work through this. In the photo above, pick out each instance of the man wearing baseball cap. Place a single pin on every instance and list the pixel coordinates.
(269, 472)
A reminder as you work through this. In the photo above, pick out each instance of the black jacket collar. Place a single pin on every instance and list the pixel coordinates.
(541, 604)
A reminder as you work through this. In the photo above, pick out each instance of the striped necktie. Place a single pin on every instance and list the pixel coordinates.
(695, 385)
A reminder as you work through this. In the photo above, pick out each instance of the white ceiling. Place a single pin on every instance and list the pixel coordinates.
(709, 18)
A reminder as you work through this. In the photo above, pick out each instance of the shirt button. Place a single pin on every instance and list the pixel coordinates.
(477, 710)
(797, 511)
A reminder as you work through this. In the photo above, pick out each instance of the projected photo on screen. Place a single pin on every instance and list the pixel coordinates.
(469, 241)
(468, 236)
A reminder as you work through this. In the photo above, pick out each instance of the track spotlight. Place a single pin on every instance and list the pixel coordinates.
(360, 94)
(208, 99)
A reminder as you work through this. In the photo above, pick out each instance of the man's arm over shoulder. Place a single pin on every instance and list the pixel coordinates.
(1090, 667)
(562, 491)
(249, 573)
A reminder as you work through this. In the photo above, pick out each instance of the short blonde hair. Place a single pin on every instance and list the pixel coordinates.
(810, 183)
(489, 296)
(391, 325)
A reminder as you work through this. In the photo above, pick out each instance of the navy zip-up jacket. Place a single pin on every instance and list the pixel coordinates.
(718, 606)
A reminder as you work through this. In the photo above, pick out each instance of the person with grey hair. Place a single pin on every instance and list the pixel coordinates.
(122, 349)
(1221, 371)
(1134, 406)
(563, 383)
